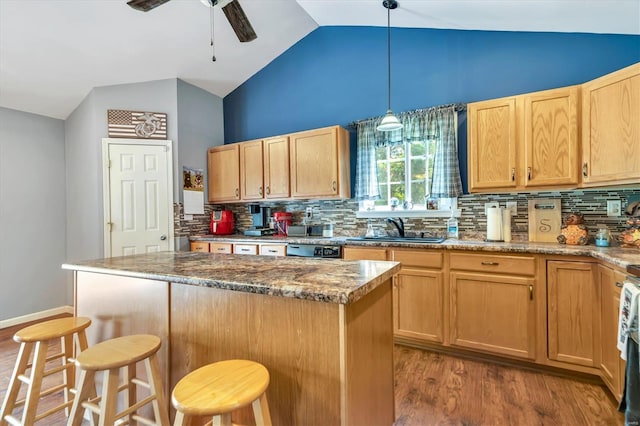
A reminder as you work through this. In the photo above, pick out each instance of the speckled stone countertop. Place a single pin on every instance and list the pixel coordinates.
(322, 280)
(616, 256)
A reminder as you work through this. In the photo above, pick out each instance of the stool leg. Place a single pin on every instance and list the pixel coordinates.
(35, 383)
(109, 400)
(14, 384)
(157, 388)
(69, 372)
(130, 390)
(261, 411)
(86, 388)
(222, 420)
(180, 419)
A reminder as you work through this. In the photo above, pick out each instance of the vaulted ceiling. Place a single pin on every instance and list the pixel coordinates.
(53, 52)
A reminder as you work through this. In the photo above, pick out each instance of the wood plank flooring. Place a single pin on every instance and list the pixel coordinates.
(438, 389)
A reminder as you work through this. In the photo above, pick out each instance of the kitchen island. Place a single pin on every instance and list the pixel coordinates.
(323, 328)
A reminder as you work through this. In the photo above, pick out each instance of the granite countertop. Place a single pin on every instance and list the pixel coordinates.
(617, 256)
(322, 280)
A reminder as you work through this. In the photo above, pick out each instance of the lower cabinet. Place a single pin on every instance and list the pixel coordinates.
(418, 295)
(224, 248)
(364, 253)
(199, 246)
(573, 313)
(611, 365)
(492, 309)
(273, 249)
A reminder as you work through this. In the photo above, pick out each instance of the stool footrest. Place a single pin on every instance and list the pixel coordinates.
(12, 420)
(53, 410)
(135, 407)
(144, 420)
(142, 383)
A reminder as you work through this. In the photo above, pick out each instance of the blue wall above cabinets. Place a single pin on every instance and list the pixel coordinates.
(337, 75)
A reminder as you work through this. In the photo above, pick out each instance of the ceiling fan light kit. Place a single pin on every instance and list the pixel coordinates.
(390, 122)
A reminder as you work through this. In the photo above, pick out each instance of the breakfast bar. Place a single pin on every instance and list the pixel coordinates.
(323, 328)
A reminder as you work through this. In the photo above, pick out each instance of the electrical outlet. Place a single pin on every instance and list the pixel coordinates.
(308, 213)
(513, 206)
(490, 205)
(614, 207)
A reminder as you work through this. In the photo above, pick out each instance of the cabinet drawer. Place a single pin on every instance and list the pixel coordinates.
(364, 253)
(273, 250)
(199, 246)
(503, 264)
(245, 248)
(418, 258)
(220, 248)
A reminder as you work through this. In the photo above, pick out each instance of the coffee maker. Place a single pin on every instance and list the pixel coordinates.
(260, 221)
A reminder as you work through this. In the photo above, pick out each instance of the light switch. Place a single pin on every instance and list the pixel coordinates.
(614, 207)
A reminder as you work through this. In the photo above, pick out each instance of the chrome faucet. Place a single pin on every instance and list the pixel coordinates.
(399, 224)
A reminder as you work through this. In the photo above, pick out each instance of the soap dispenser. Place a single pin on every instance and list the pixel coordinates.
(452, 227)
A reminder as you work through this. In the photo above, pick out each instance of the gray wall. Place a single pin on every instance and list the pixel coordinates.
(32, 213)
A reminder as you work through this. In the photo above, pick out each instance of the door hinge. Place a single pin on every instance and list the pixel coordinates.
(108, 164)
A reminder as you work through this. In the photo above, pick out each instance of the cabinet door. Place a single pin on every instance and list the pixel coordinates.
(223, 166)
(245, 248)
(572, 312)
(364, 253)
(492, 139)
(418, 305)
(224, 248)
(611, 129)
(199, 246)
(551, 137)
(318, 163)
(493, 313)
(251, 171)
(610, 286)
(273, 250)
(276, 167)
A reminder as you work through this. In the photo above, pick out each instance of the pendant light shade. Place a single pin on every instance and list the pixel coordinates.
(389, 122)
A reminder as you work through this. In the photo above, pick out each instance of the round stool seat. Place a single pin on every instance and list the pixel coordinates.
(51, 329)
(220, 387)
(118, 352)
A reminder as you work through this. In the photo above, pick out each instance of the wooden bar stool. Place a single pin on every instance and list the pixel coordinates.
(69, 330)
(110, 357)
(218, 389)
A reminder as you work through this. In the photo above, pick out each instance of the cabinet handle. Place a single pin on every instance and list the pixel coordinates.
(487, 263)
(260, 191)
(528, 173)
(530, 292)
(221, 249)
(618, 284)
(585, 169)
(513, 174)
(268, 190)
(333, 185)
(272, 251)
(237, 192)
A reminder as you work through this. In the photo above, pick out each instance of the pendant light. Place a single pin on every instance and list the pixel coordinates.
(389, 122)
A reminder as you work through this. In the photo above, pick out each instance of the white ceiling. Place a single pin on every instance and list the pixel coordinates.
(53, 52)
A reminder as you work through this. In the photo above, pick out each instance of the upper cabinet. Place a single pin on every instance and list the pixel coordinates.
(611, 128)
(310, 164)
(524, 142)
(320, 163)
(223, 166)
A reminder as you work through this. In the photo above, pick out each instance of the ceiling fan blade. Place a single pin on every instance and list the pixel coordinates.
(145, 5)
(239, 22)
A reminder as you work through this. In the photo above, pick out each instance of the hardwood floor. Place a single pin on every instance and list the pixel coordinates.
(438, 389)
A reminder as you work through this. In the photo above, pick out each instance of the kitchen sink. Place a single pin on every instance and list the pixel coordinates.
(423, 240)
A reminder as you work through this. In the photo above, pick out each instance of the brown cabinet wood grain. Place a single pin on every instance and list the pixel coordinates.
(611, 129)
(199, 246)
(224, 248)
(364, 253)
(320, 163)
(223, 168)
(251, 170)
(264, 169)
(573, 313)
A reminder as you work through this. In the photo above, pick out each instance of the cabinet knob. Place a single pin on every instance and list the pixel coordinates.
(585, 169)
(618, 284)
(528, 173)
(513, 174)
(268, 190)
(530, 292)
(237, 192)
(260, 191)
(333, 185)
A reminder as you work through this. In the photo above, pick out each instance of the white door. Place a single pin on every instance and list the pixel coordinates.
(138, 197)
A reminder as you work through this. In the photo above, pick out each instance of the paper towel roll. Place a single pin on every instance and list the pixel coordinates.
(494, 224)
(506, 225)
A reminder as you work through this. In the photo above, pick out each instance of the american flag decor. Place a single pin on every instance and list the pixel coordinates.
(136, 124)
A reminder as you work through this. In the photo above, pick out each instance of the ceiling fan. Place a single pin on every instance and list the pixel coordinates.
(232, 10)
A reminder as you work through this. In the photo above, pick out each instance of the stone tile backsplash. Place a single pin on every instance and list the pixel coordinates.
(472, 224)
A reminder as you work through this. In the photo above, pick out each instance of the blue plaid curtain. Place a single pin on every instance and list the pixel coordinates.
(437, 122)
(442, 125)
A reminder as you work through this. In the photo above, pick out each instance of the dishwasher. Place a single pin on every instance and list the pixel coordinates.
(314, 250)
(628, 345)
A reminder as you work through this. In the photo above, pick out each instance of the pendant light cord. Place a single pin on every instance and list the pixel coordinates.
(213, 47)
(389, 56)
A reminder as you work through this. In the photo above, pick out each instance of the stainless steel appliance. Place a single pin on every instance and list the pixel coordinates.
(314, 250)
(630, 403)
(259, 221)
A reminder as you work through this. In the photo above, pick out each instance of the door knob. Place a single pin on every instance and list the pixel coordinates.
(163, 237)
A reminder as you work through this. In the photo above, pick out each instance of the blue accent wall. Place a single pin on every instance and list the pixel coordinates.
(336, 75)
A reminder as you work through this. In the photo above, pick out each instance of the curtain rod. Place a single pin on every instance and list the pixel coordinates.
(458, 107)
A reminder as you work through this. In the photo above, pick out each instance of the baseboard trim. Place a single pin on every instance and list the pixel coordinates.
(36, 316)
